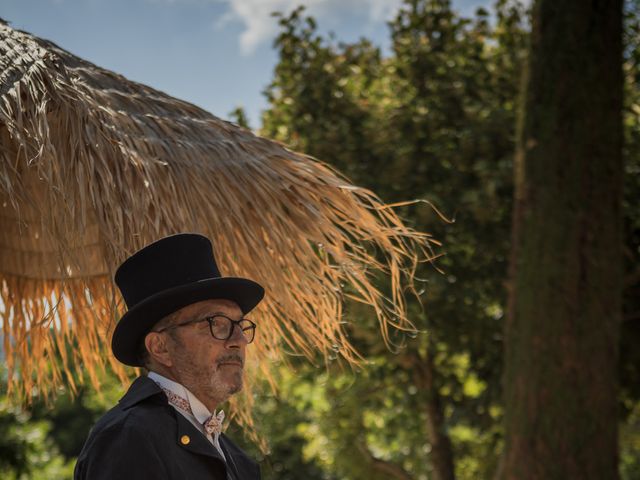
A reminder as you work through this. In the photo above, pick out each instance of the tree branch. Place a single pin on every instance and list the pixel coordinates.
(383, 466)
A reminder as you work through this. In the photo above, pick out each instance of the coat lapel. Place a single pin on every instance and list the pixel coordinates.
(191, 439)
(232, 468)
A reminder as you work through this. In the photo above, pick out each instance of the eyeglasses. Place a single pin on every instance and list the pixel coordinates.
(221, 327)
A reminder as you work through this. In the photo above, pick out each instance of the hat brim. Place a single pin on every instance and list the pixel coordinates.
(137, 322)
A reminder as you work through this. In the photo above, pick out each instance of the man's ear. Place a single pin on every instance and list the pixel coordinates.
(156, 345)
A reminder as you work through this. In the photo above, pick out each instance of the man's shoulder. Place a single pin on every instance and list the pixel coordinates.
(138, 410)
(143, 415)
(130, 431)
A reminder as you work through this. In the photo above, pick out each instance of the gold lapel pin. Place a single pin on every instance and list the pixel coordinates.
(185, 440)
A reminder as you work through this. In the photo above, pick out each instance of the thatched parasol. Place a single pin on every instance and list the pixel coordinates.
(94, 166)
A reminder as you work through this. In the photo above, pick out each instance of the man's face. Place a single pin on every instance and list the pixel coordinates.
(210, 368)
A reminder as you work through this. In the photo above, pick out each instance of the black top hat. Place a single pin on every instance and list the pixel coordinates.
(165, 276)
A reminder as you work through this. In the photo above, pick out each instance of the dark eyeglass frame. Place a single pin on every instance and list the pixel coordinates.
(244, 324)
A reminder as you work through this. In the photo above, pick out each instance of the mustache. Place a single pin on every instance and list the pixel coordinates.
(232, 357)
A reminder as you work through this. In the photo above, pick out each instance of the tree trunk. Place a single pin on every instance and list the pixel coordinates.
(565, 292)
(441, 455)
(441, 450)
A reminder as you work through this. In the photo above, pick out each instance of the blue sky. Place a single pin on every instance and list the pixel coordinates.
(216, 54)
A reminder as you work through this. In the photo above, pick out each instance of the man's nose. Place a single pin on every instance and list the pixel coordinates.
(237, 339)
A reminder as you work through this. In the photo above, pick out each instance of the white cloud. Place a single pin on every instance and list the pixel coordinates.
(261, 27)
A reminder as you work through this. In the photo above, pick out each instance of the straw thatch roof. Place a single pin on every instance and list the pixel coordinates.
(94, 166)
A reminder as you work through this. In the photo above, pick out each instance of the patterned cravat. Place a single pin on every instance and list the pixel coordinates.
(213, 425)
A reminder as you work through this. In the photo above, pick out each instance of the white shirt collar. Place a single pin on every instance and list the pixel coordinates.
(198, 409)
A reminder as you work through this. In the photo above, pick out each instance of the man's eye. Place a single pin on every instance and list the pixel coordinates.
(217, 323)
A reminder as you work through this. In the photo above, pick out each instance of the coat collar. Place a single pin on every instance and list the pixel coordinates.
(197, 409)
(141, 389)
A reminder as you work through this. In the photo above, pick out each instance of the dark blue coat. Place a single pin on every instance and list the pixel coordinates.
(144, 437)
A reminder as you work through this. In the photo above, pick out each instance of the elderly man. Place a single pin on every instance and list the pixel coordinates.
(185, 324)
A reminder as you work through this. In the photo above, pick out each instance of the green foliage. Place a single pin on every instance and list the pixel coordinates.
(630, 445)
(281, 420)
(435, 120)
(71, 416)
(26, 450)
(43, 440)
(239, 116)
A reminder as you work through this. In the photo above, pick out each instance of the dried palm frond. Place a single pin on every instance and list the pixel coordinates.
(94, 166)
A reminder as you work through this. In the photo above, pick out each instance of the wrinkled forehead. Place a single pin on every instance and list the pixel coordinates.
(208, 307)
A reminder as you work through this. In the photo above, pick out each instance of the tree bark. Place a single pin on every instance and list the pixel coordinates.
(566, 278)
(441, 455)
